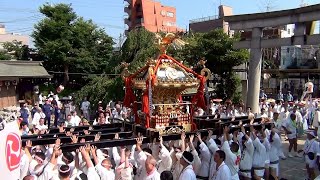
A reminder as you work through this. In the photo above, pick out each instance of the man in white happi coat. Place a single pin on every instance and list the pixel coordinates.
(187, 172)
(220, 170)
(246, 156)
(231, 150)
(259, 155)
(205, 156)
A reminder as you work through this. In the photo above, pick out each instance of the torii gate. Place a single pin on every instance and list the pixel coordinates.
(303, 19)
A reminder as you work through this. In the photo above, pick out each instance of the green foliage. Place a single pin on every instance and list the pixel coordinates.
(138, 47)
(70, 43)
(17, 49)
(4, 56)
(45, 90)
(101, 88)
(217, 48)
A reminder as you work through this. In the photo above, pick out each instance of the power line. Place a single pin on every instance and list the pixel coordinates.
(30, 18)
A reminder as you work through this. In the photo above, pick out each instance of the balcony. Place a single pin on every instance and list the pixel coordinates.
(127, 21)
(127, 10)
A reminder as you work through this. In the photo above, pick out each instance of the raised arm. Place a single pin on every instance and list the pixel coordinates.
(93, 150)
(183, 139)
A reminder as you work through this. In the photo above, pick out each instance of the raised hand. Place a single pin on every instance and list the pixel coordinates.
(29, 144)
(183, 136)
(82, 140)
(68, 133)
(86, 132)
(210, 133)
(161, 140)
(93, 150)
(58, 143)
(116, 136)
(199, 137)
(74, 139)
(191, 137)
(139, 141)
(97, 137)
(226, 130)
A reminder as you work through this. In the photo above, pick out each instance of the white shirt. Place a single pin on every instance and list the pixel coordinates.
(231, 160)
(311, 146)
(165, 162)
(104, 173)
(37, 116)
(292, 127)
(259, 155)
(284, 115)
(42, 127)
(72, 122)
(153, 176)
(187, 174)
(213, 148)
(92, 174)
(247, 155)
(222, 173)
(205, 160)
(118, 115)
(275, 147)
(76, 120)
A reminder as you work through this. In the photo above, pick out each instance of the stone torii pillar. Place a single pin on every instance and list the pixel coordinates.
(254, 77)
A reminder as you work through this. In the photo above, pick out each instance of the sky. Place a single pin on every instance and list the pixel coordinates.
(19, 16)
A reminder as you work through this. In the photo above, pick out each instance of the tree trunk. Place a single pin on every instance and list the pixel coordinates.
(66, 75)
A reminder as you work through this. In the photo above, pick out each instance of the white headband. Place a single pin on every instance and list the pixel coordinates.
(187, 160)
(67, 170)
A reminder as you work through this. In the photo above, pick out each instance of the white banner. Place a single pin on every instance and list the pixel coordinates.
(10, 150)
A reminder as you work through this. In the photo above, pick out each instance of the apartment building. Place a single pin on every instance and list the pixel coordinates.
(152, 15)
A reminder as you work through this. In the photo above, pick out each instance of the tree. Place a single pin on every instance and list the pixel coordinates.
(4, 56)
(101, 88)
(69, 42)
(138, 47)
(17, 49)
(217, 48)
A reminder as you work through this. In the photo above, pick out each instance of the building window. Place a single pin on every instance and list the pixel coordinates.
(170, 14)
(170, 24)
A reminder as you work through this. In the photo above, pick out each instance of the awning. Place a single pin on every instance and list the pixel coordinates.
(23, 69)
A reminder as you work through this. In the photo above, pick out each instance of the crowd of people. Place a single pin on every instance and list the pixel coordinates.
(237, 154)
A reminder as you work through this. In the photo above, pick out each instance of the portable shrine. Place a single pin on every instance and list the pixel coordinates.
(161, 82)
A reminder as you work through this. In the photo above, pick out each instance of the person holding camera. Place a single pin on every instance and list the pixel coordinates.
(310, 151)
